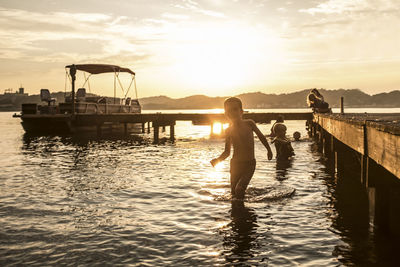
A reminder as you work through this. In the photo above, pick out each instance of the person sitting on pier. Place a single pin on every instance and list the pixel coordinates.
(280, 119)
(240, 135)
(284, 149)
(316, 101)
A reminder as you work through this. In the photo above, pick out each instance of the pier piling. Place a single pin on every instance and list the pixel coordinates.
(155, 133)
(365, 150)
(172, 132)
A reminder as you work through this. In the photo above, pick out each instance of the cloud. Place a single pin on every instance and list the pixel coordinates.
(195, 7)
(327, 22)
(175, 16)
(353, 6)
(38, 36)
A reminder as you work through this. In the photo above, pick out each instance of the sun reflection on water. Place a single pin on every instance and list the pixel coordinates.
(219, 128)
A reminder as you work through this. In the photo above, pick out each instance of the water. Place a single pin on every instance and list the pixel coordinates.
(77, 201)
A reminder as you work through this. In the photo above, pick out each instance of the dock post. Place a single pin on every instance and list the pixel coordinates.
(309, 127)
(212, 129)
(331, 154)
(339, 159)
(383, 198)
(342, 105)
(148, 127)
(172, 132)
(125, 128)
(363, 169)
(155, 133)
(320, 140)
(378, 196)
(314, 130)
(143, 127)
(327, 144)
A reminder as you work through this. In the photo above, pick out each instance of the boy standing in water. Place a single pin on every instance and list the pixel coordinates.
(240, 135)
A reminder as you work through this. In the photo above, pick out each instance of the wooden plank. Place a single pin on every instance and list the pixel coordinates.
(348, 132)
(384, 148)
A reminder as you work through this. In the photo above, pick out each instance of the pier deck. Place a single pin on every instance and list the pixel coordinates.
(68, 121)
(365, 147)
(376, 136)
(196, 118)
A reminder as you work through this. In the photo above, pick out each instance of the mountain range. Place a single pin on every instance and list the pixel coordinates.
(352, 98)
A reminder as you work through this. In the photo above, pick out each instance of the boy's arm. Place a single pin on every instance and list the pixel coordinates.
(226, 152)
(261, 137)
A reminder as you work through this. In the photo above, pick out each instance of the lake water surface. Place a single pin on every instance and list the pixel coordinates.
(111, 201)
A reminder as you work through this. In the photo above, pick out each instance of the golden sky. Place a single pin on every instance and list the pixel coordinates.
(213, 47)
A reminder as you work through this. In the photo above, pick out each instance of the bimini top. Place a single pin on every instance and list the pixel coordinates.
(100, 68)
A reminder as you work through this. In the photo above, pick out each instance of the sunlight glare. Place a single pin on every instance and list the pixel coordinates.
(218, 127)
(216, 58)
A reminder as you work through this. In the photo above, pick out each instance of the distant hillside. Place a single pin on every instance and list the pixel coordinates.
(353, 98)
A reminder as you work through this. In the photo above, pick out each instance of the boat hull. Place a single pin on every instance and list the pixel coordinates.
(67, 124)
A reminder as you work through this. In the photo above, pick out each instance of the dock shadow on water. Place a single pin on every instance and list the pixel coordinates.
(362, 244)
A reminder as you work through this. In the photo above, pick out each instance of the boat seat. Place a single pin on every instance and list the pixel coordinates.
(46, 97)
(81, 94)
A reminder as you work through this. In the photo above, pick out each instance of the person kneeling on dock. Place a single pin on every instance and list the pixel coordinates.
(240, 135)
(284, 149)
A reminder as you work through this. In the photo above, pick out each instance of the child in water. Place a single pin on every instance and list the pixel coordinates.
(296, 136)
(240, 135)
(284, 149)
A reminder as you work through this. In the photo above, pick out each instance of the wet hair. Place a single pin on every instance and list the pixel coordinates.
(316, 92)
(278, 127)
(231, 100)
(296, 135)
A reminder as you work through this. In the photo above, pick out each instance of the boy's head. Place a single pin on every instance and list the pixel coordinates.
(296, 136)
(280, 129)
(280, 118)
(233, 108)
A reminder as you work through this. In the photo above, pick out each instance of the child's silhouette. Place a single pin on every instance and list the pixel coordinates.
(240, 135)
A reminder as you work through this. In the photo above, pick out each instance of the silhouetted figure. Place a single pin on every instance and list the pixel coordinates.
(280, 119)
(284, 149)
(240, 135)
(296, 136)
(316, 101)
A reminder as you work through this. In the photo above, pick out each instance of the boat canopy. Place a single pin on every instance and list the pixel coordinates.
(100, 68)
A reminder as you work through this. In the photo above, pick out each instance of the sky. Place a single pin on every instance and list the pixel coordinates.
(179, 48)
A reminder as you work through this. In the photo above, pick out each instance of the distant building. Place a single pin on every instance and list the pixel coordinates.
(10, 92)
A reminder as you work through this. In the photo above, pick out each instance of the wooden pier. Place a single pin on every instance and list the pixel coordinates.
(365, 147)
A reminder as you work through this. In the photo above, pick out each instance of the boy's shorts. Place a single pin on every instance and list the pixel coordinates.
(241, 173)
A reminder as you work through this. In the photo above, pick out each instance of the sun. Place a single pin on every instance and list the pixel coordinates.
(214, 59)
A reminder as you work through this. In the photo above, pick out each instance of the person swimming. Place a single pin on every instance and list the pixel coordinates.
(296, 136)
(280, 119)
(284, 149)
